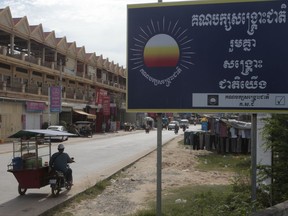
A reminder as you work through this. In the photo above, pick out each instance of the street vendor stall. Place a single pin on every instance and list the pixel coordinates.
(31, 155)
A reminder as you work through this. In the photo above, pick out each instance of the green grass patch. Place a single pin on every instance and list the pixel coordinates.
(229, 162)
(205, 200)
(195, 200)
(218, 162)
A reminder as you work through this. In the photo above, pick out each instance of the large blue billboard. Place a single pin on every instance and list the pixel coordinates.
(208, 55)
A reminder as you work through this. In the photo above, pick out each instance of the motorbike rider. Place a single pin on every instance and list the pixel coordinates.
(184, 128)
(176, 129)
(147, 128)
(59, 161)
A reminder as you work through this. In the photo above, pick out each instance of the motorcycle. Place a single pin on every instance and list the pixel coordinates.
(184, 128)
(86, 133)
(58, 181)
(176, 130)
(147, 129)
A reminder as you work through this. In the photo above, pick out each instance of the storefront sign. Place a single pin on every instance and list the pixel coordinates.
(100, 93)
(32, 106)
(106, 105)
(55, 99)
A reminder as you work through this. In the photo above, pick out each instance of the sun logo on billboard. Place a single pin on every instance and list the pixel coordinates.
(162, 46)
(161, 51)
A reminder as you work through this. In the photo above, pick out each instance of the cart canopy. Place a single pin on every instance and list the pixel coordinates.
(41, 132)
(83, 122)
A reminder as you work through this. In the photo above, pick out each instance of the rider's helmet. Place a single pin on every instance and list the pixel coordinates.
(61, 147)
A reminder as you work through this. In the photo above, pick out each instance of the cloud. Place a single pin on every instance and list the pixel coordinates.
(100, 26)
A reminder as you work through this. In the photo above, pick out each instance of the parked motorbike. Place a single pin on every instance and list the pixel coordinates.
(86, 132)
(58, 181)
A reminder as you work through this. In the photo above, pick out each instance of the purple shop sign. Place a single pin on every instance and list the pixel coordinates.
(32, 106)
(55, 99)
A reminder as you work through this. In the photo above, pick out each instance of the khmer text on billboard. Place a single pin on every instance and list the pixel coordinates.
(208, 55)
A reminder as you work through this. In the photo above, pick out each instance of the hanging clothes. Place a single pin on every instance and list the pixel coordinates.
(233, 140)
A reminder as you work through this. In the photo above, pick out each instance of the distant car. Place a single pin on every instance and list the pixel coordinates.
(171, 125)
(58, 128)
(184, 122)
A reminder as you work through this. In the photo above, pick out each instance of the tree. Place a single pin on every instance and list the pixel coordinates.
(275, 133)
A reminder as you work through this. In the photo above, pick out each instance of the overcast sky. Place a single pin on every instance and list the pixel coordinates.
(100, 26)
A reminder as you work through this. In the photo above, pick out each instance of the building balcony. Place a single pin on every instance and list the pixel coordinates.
(53, 67)
(35, 92)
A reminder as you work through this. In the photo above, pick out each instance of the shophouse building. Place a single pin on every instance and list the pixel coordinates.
(32, 62)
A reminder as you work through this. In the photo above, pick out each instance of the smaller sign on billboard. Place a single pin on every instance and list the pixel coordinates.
(236, 100)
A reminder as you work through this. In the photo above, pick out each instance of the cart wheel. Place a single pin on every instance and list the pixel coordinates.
(21, 191)
(68, 187)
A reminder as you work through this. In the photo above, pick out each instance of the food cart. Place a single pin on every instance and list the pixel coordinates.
(31, 155)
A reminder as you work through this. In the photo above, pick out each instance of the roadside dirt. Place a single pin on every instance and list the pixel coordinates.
(135, 185)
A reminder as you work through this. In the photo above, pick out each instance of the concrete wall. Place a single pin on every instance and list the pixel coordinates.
(264, 158)
(280, 209)
(130, 117)
(11, 118)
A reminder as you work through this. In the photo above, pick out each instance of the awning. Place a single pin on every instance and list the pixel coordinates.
(34, 133)
(147, 118)
(90, 116)
(76, 106)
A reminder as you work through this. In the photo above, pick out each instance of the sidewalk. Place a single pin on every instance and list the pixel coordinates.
(8, 147)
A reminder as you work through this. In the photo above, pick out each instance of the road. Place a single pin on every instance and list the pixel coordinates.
(96, 159)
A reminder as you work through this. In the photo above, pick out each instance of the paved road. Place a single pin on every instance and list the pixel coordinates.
(96, 159)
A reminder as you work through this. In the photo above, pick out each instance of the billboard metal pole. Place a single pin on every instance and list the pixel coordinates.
(159, 164)
(159, 161)
(254, 157)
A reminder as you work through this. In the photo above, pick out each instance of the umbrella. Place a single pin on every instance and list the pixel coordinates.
(148, 118)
